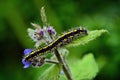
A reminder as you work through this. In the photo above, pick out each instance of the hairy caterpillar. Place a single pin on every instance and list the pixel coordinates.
(60, 41)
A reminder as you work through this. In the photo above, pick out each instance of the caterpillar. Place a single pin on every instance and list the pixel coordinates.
(59, 42)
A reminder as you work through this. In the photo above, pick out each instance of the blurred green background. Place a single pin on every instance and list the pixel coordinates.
(16, 16)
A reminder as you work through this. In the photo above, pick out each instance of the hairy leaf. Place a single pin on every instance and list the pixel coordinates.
(85, 69)
(85, 39)
(52, 73)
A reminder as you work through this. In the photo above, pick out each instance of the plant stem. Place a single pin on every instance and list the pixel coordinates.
(64, 66)
(52, 61)
(58, 56)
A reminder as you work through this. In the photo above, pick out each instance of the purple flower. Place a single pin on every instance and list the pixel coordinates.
(51, 31)
(26, 63)
(41, 33)
(27, 51)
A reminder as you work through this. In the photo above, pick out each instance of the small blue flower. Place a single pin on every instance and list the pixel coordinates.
(26, 64)
(27, 51)
(62, 72)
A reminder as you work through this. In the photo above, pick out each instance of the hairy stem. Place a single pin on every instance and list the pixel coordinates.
(58, 56)
(64, 66)
(52, 61)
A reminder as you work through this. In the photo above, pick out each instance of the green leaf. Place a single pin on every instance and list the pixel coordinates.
(52, 73)
(85, 39)
(85, 69)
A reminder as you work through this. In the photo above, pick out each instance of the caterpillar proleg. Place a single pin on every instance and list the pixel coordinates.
(59, 42)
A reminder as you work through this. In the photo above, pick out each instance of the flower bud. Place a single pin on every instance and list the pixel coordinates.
(41, 33)
(51, 31)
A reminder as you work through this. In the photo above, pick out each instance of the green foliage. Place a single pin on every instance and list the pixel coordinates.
(91, 36)
(16, 16)
(84, 69)
(52, 73)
